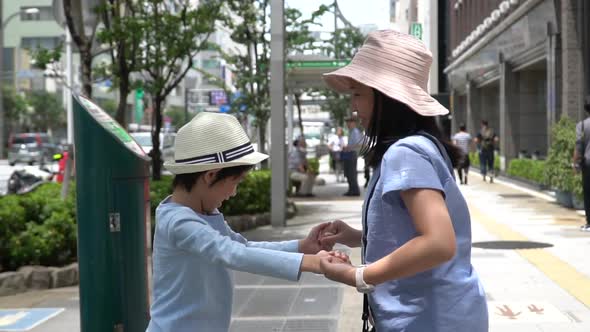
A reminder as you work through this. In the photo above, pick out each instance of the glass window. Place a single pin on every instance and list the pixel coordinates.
(24, 140)
(40, 42)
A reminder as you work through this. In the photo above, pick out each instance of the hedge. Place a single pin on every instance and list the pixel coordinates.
(40, 229)
(528, 169)
(253, 195)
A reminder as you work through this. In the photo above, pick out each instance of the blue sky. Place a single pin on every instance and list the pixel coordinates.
(356, 11)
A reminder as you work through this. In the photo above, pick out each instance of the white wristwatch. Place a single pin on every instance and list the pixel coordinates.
(361, 285)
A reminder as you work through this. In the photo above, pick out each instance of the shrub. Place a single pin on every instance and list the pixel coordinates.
(36, 202)
(528, 169)
(38, 228)
(12, 220)
(253, 195)
(558, 168)
(314, 165)
(159, 190)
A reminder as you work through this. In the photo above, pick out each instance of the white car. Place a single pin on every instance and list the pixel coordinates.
(144, 139)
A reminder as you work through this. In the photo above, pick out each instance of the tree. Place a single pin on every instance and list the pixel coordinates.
(48, 112)
(122, 32)
(252, 67)
(83, 31)
(15, 107)
(108, 105)
(344, 44)
(177, 114)
(171, 38)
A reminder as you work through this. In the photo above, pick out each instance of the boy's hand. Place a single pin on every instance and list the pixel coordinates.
(311, 263)
(311, 245)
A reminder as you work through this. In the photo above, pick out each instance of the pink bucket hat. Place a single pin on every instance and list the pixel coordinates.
(394, 63)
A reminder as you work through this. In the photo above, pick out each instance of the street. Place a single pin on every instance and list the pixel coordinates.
(546, 289)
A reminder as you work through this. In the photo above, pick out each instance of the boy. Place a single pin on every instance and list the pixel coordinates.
(194, 248)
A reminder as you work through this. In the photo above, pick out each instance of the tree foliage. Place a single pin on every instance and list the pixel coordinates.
(344, 44)
(252, 32)
(173, 33)
(48, 112)
(123, 35)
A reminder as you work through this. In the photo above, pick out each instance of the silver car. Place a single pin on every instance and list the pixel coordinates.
(31, 148)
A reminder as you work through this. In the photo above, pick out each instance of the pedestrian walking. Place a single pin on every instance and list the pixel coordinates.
(463, 139)
(350, 155)
(194, 248)
(416, 235)
(582, 160)
(487, 140)
(336, 144)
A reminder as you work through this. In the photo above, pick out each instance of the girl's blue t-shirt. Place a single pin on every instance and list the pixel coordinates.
(449, 297)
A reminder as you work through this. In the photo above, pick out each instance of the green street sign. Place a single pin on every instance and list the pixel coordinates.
(416, 30)
(318, 64)
(139, 105)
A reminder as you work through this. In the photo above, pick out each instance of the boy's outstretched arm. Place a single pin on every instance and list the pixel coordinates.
(309, 245)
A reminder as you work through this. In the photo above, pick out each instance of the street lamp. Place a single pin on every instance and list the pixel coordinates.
(2, 26)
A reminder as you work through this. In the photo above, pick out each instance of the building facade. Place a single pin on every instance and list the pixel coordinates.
(428, 20)
(27, 31)
(518, 64)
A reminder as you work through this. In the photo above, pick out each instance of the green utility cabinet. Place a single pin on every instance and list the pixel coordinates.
(113, 215)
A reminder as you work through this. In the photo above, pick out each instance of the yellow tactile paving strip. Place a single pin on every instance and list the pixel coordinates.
(562, 273)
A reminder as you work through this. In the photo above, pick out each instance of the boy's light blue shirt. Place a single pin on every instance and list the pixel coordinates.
(448, 298)
(192, 258)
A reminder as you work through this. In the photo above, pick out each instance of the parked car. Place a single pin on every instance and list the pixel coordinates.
(144, 139)
(30, 148)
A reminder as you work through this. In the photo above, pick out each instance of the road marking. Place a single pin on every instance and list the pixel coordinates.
(26, 319)
(525, 312)
(563, 274)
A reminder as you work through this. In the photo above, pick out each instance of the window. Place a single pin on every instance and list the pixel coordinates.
(40, 42)
(45, 13)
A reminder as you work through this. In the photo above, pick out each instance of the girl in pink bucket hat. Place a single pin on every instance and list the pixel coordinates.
(416, 237)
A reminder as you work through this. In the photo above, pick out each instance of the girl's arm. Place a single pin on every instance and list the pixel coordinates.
(434, 245)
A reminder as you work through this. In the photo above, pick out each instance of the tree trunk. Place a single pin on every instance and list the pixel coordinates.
(122, 108)
(87, 73)
(298, 102)
(262, 142)
(155, 153)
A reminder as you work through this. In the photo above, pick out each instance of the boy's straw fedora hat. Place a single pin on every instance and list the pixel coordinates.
(211, 141)
(394, 63)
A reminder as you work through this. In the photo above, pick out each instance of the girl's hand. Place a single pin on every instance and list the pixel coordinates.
(311, 244)
(339, 232)
(334, 269)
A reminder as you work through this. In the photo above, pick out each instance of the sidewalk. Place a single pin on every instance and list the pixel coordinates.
(545, 289)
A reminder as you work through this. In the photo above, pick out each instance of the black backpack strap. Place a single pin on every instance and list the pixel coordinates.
(366, 308)
(441, 149)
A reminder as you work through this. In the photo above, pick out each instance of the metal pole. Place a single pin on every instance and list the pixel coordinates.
(1, 80)
(186, 105)
(277, 103)
(336, 30)
(290, 120)
(69, 80)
